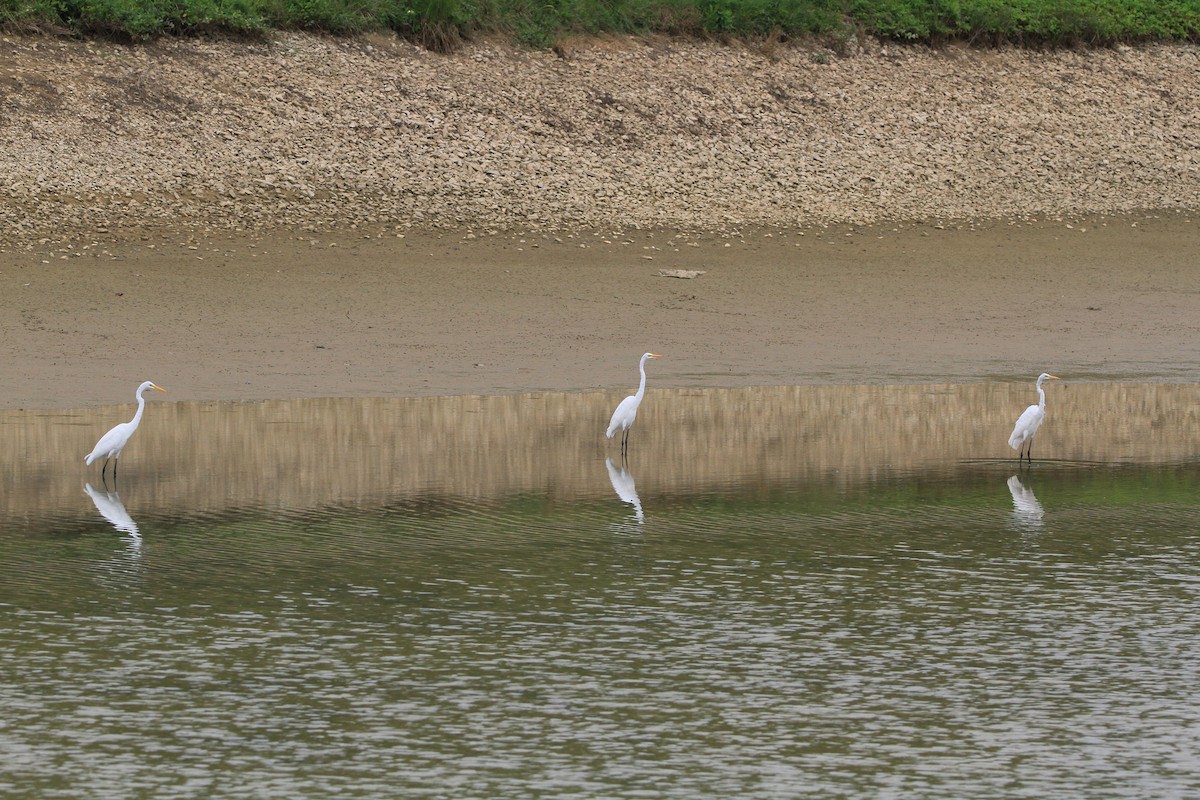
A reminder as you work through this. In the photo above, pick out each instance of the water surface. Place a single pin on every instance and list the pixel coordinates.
(843, 591)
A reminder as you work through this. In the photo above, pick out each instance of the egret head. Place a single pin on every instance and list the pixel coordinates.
(650, 355)
(150, 385)
(1046, 376)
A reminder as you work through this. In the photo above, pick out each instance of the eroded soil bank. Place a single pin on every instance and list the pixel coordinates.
(315, 217)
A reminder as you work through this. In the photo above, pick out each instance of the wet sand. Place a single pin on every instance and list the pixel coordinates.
(289, 316)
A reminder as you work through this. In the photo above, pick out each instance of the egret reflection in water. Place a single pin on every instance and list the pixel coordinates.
(1027, 511)
(623, 484)
(112, 509)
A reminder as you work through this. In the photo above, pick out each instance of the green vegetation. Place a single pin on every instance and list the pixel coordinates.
(441, 24)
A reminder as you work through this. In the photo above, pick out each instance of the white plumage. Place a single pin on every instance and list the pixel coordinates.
(1030, 420)
(626, 413)
(112, 443)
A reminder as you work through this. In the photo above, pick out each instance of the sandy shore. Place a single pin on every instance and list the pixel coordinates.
(313, 217)
(1115, 299)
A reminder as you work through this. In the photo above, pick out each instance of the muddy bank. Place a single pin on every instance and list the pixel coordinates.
(1108, 299)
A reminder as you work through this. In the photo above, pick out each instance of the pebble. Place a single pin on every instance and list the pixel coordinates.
(322, 134)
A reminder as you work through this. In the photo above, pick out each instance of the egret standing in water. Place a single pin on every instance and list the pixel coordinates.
(1029, 422)
(626, 412)
(112, 443)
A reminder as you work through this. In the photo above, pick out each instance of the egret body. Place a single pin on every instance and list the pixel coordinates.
(1029, 422)
(626, 413)
(112, 443)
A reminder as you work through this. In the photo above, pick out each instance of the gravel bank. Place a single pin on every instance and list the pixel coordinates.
(377, 135)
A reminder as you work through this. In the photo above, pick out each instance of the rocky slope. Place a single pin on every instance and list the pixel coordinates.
(378, 135)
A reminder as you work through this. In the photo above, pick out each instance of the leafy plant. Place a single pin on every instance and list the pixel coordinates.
(443, 24)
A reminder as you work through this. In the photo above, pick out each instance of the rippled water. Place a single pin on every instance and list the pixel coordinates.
(832, 591)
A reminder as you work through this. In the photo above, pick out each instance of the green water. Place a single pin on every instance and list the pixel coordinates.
(769, 628)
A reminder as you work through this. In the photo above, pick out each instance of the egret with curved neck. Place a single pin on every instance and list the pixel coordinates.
(626, 412)
(112, 443)
(1029, 422)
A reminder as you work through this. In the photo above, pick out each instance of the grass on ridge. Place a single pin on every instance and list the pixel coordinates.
(442, 24)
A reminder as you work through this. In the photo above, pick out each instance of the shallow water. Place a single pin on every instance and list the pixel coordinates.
(844, 591)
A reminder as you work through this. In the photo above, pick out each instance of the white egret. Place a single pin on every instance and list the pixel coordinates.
(1030, 421)
(626, 412)
(112, 443)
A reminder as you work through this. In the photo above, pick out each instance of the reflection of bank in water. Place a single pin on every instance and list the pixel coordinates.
(197, 457)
